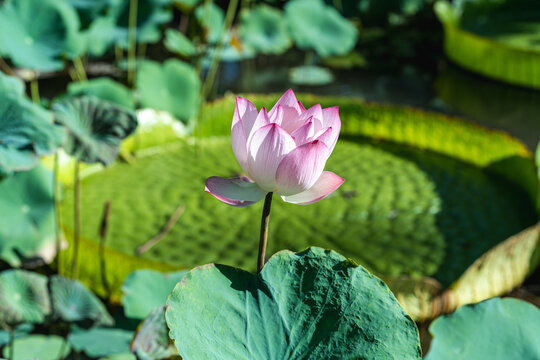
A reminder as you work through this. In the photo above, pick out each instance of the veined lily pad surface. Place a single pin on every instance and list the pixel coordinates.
(403, 211)
(314, 304)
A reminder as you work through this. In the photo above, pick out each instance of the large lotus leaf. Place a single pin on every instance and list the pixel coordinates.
(151, 341)
(144, 290)
(105, 89)
(173, 86)
(23, 297)
(26, 132)
(98, 342)
(36, 34)
(496, 329)
(89, 10)
(11, 84)
(39, 347)
(212, 18)
(178, 43)
(314, 25)
(264, 29)
(315, 304)
(95, 127)
(73, 302)
(27, 224)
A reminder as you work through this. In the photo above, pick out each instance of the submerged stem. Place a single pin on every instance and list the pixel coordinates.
(77, 220)
(265, 219)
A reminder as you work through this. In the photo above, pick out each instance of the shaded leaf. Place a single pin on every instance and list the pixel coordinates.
(95, 127)
(264, 29)
(11, 84)
(23, 297)
(98, 342)
(27, 224)
(105, 89)
(73, 302)
(314, 25)
(39, 347)
(496, 329)
(144, 290)
(173, 86)
(310, 305)
(151, 341)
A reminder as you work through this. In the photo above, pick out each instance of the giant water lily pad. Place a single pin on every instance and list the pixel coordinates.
(73, 302)
(314, 25)
(173, 86)
(423, 207)
(95, 127)
(151, 341)
(39, 42)
(264, 29)
(144, 290)
(497, 39)
(314, 305)
(23, 297)
(38, 347)
(27, 224)
(26, 130)
(496, 329)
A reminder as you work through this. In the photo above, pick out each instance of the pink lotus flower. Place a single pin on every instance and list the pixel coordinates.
(282, 151)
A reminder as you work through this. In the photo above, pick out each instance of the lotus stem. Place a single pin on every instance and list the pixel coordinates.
(118, 54)
(265, 219)
(57, 214)
(132, 39)
(34, 91)
(77, 220)
(11, 343)
(103, 237)
(79, 68)
(6, 68)
(210, 78)
(166, 229)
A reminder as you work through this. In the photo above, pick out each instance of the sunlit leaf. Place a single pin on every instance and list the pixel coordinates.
(315, 304)
(264, 29)
(178, 43)
(105, 89)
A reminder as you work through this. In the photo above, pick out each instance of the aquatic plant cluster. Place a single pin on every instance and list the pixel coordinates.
(112, 243)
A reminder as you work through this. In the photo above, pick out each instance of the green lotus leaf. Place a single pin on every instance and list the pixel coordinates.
(173, 86)
(105, 89)
(229, 53)
(73, 302)
(11, 84)
(178, 43)
(40, 347)
(264, 29)
(310, 75)
(98, 342)
(95, 127)
(315, 304)
(27, 224)
(314, 25)
(26, 132)
(497, 39)
(39, 42)
(211, 17)
(496, 329)
(20, 331)
(89, 10)
(144, 290)
(23, 297)
(151, 341)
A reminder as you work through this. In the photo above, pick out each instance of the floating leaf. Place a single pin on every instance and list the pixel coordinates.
(26, 132)
(39, 42)
(264, 29)
(11, 84)
(310, 75)
(176, 42)
(23, 297)
(95, 127)
(496, 329)
(173, 86)
(39, 347)
(98, 342)
(313, 304)
(73, 302)
(314, 25)
(105, 89)
(212, 18)
(27, 224)
(144, 290)
(151, 341)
